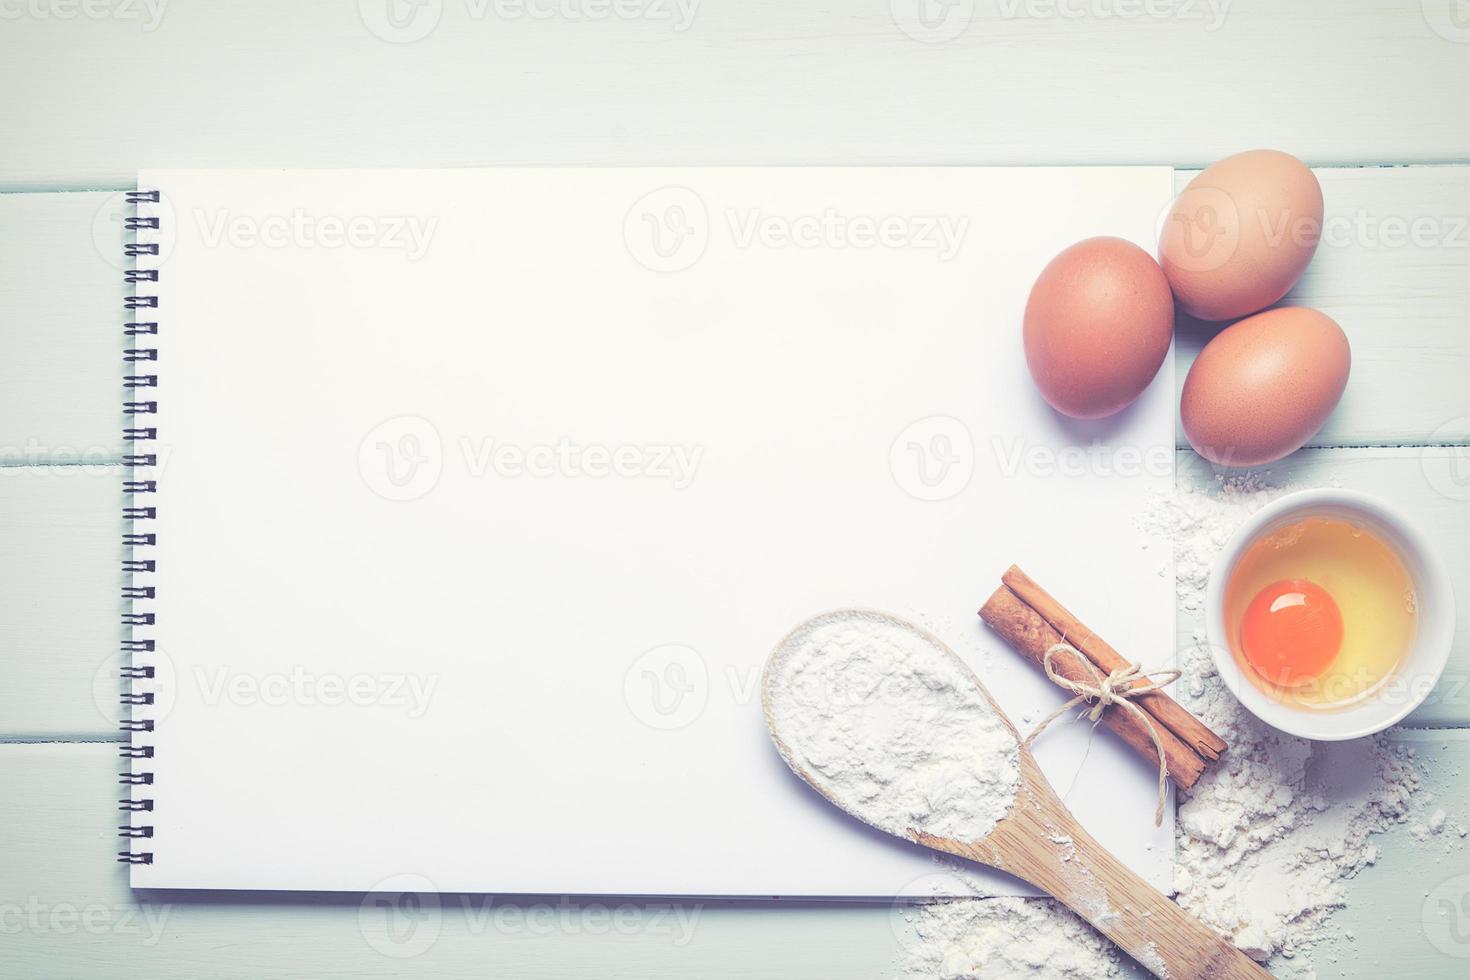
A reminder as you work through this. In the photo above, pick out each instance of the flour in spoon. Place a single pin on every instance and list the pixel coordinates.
(892, 726)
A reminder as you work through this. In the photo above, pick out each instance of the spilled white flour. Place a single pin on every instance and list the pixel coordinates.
(1268, 840)
(892, 726)
(1270, 836)
(1006, 939)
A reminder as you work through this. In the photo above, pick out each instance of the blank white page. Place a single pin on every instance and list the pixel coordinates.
(483, 495)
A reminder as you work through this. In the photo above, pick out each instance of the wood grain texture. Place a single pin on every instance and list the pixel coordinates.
(58, 874)
(218, 83)
(1041, 842)
(59, 548)
(61, 295)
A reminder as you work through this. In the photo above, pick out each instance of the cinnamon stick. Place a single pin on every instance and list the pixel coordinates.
(1164, 709)
(1031, 635)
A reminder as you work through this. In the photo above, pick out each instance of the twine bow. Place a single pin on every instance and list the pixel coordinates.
(1112, 689)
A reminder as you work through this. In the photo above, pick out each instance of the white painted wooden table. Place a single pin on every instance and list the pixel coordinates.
(1374, 94)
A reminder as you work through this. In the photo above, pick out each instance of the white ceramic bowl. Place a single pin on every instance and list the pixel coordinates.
(1421, 668)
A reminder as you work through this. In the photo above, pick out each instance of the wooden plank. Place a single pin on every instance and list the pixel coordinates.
(1406, 308)
(93, 96)
(66, 908)
(1407, 912)
(61, 294)
(59, 548)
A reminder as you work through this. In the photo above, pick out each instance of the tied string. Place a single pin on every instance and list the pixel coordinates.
(1112, 689)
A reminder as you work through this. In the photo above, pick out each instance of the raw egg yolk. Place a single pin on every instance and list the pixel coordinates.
(1291, 632)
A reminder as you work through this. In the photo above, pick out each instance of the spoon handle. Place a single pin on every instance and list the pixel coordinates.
(1156, 932)
(1040, 841)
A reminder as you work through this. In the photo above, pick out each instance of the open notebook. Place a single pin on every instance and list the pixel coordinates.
(466, 505)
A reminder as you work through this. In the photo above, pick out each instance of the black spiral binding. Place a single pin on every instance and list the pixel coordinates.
(141, 436)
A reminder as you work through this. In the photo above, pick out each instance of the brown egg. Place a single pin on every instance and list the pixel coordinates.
(1241, 234)
(1097, 327)
(1263, 386)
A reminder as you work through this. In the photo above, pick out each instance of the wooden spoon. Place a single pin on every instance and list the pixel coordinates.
(1038, 840)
